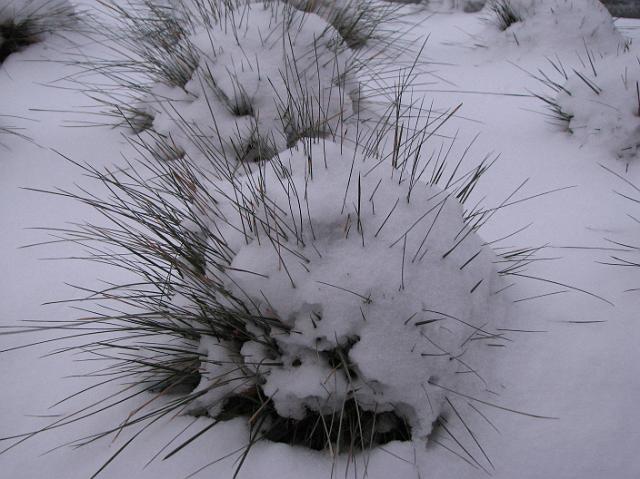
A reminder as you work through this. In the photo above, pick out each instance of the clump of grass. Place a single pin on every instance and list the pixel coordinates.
(596, 100)
(156, 44)
(556, 83)
(504, 13)
(25, 22)
(360, 23)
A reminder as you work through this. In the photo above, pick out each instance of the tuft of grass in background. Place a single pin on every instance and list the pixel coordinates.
(556, 83)
(25, 22)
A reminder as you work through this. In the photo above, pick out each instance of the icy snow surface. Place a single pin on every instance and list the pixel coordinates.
(579, 365)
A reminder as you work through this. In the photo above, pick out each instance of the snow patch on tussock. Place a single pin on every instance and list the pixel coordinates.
(264, 77)
(388, 295)
(546, 23)
(604, 103)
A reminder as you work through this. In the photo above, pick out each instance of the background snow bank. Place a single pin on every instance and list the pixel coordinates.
(544, 24)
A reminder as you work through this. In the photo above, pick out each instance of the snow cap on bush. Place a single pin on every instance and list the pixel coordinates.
(602, 103)
(387, 295)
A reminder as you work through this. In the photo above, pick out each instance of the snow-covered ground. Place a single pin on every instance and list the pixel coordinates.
(578, 368)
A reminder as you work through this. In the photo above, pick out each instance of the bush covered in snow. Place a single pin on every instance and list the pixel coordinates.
(24, 22)
(545, 23)
(599, 102)
(323, 286)
(383, 292)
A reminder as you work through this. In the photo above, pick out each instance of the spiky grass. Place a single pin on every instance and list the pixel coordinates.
(627, 255)
(8, 128)
(23, 23)
(555, 82)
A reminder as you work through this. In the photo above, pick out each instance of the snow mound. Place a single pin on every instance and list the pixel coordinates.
(547, 23)
(253, 84)
(23, 22)
(386, 295)
(600, 102)
(604, 104)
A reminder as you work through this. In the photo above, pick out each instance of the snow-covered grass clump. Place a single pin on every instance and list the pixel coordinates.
(260, 93)
(385, 295)
(24, 22)
(360, 23)
(246, 85)
(547, 23)
(336, 299)
(598, 103)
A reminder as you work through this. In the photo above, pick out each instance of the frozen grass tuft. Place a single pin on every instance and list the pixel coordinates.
(598, 101)
(543, 24)
(360, 23)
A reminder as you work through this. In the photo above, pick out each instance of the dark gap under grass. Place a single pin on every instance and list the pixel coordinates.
(348, 429)
(14, 37)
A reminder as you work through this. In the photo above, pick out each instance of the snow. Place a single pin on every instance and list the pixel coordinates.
(583, 374)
